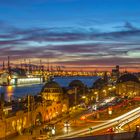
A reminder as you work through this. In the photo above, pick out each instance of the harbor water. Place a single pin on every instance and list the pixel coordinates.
(20, 90)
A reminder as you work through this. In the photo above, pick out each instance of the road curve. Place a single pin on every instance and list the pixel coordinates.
(131, 115)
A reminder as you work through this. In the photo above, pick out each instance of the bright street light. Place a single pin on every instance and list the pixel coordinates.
(83, 97)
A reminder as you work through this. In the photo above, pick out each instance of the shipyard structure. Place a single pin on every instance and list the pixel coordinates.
(20, 75)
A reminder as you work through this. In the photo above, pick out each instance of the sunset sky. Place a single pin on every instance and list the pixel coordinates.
(71, 33)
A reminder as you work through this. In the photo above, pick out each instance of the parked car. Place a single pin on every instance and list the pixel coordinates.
(110, 130)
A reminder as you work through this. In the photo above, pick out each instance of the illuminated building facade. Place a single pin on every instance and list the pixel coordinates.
(52, 91)
(128, 85)
(71, 88)
(115, 73)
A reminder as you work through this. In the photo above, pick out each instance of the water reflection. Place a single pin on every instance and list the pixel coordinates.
(11, 92)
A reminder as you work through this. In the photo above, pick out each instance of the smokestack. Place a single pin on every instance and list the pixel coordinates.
(48, 69)
(3, 66)
(9, 68)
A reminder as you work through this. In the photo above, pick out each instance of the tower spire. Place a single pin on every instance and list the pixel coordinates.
(3, 66)
(48, 69)
(9, 69)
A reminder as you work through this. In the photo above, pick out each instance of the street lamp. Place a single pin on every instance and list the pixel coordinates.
(109, 89)
(110, 110)
(75, 89)
(105, 92)
(137, 128)
(53, 131)
(67, 125)
(97, 96)
(114, 87)
(90, 129)
(83, 97)
(137, 132)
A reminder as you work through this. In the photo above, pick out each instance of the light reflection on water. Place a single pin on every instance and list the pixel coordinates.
(10, 92)
(20, 91)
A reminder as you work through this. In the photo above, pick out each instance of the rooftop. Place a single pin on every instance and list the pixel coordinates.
(128, 77)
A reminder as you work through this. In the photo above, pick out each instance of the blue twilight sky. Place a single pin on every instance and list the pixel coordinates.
(72, 33)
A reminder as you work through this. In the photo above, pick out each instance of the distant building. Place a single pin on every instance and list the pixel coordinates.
(18, 76)
(71, 88)
(115, 73)
(128, 85)
(52, 91)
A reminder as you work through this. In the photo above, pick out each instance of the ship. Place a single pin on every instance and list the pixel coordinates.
(19, 76)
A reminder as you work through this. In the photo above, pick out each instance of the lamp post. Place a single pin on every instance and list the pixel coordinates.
(75, 89)
(110, 110)
(53, 131)
(136, 134)
(67, 126)
(97, 96)
(28, 114)
(137, 128)
(105, 93)
(90, 129)
(84, 100)
(83, 97)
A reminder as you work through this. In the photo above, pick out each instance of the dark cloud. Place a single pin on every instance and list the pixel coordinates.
(45, 34)
(83, 48)
(127, 26)
(10, 42)
(67, 34)
(29, 52)
(78, 46)
(101, 61)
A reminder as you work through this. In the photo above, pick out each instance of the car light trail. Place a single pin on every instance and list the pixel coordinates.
(131, 115)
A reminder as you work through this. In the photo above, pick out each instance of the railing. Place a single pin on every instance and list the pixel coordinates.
(117, 136)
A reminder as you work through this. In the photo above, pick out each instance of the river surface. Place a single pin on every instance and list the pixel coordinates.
(20, 91)
(11, 92)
